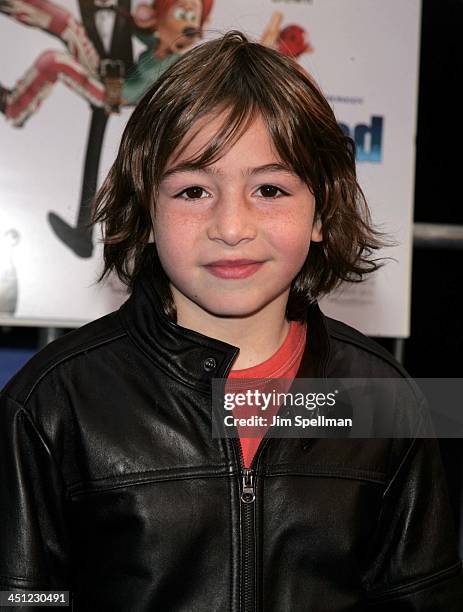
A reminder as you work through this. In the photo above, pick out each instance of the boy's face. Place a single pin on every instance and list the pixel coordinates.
(245, 206)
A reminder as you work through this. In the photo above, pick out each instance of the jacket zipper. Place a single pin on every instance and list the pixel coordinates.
(248, 509)
(248, 493)
(247, 497)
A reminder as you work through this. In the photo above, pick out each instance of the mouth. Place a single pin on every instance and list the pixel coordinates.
(234, 268)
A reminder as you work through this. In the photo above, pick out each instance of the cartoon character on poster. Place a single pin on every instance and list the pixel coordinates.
(97, 64)
(292, 40)
(167, 28)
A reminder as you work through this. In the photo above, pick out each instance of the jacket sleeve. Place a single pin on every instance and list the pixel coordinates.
(33, 535)
(414, 563)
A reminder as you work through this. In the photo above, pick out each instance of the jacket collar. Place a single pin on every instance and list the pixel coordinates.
(191, 357)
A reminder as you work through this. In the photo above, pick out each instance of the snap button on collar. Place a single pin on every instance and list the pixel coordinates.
(209, 364)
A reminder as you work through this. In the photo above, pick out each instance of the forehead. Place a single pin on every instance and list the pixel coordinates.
(248, 139)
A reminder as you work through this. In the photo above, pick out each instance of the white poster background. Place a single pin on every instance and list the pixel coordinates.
(365, 60)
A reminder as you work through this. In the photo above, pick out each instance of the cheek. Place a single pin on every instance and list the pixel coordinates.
(291, 238)
(295, 252)
(175, 239)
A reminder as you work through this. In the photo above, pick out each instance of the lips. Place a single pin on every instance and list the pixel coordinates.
(233, 262)
(234, 268)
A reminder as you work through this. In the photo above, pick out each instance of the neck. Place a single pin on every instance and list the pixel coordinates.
(258, 336)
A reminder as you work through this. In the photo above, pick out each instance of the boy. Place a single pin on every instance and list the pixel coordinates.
(232, 205)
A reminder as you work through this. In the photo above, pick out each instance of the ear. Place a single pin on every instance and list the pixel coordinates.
(317, 234)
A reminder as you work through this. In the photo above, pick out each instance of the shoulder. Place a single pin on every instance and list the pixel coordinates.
(90, 339)
(384, 384)
(358, 355)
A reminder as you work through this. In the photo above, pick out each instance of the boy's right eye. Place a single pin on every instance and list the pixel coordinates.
(192, 193)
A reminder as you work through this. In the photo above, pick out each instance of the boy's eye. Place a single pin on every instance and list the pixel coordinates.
(270, 191)
(192, 193)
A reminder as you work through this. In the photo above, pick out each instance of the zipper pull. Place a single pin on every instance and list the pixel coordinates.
(247, 494)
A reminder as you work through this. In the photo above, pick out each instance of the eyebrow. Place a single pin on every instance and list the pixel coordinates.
(190, 167)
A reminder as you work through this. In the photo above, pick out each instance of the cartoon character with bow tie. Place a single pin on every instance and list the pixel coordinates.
(99, 50)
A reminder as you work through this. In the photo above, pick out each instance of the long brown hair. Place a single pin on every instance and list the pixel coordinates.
(245, 78)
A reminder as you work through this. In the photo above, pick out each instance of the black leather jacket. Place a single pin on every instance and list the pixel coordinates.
(112, 487)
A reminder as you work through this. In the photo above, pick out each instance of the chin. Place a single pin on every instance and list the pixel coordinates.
(232, 308)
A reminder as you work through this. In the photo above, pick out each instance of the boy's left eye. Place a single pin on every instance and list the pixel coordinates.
(271, 191)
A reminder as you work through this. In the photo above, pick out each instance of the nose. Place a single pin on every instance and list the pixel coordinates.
(233, 220)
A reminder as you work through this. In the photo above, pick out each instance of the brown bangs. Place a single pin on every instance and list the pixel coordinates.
(241, 79)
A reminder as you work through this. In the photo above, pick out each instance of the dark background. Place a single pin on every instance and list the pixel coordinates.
(435, 347)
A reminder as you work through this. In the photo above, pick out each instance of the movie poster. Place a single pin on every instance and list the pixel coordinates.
(71, 75)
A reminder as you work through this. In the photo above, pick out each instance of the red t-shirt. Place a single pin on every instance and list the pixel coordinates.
(282, 364)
